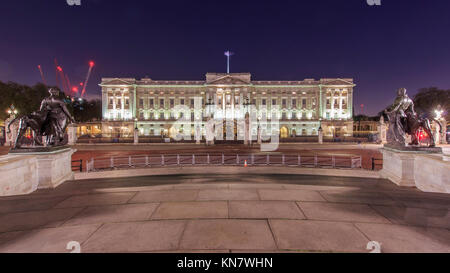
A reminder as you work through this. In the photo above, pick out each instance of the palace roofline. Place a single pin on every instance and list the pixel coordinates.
(150, 82)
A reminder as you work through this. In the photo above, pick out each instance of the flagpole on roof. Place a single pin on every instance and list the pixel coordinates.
(228, 54)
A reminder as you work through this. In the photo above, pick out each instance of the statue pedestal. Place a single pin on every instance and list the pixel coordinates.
(25, 171)
(424, 168)
(398, 167)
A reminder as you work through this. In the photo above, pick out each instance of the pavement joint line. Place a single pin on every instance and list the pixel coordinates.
(154, 211)
(273, 235)
(301, 210)
(90, 235)
(382, 215)
(360, 231)
(73, 216)
(259, 194)
(134, 195)
(187, 222)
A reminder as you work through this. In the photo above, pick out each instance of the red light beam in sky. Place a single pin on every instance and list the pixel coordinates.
(42, 74)
(91, 66)
(63, 80)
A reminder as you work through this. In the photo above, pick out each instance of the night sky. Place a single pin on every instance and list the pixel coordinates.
(402, 43)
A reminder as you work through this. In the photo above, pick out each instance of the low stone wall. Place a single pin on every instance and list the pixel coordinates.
(18, 175)
(227, 170)
(432, 173)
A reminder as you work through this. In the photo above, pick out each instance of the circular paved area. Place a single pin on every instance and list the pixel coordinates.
(226, 213)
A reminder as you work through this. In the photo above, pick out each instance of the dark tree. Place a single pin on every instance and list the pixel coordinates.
(27, 99)
(431, 98)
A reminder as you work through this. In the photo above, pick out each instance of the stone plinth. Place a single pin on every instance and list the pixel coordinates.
(398, 166)
(18, 175)
(24, 171)
(425, 170)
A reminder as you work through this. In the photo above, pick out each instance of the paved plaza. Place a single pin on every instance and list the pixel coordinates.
(226, 213)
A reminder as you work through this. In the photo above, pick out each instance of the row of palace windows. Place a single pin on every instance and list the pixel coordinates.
(173, 115)
(151, 102)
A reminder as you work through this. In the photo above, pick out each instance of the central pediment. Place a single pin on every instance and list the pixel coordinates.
(228, 79)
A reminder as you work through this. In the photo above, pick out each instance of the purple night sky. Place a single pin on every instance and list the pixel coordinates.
(402, 43)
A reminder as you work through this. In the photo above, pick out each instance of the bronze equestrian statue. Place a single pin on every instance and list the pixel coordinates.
(50, 121)
(404, 120)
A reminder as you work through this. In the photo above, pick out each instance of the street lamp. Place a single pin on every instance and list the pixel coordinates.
(438, 113)
(12, 110)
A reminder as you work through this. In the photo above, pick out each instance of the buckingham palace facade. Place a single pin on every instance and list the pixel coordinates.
(153, 107)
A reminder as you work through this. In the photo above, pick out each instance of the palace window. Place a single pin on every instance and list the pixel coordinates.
(284, 103)
(303, 103)
(192, 103)
(111, 101)
(141, 103)
(182, 101)
(151, 103)
(263, 102)
(172, 103)
(294, 103)
(127, 101)
(228, 99)
(274, 102)
(161, 103)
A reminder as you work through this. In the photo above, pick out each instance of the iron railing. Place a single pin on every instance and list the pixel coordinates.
(77, 165)
(148, 161)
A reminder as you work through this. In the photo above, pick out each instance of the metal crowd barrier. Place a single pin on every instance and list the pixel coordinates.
(148, 161)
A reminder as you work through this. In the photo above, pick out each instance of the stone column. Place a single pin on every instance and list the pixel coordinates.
(10, 138)
(382, 130)
(136, 136)
(436, 132)
(247, 130)
(443, 137)
(320, 135)
(198, 136)
(72, 134)
(259, 135)
(210, 132)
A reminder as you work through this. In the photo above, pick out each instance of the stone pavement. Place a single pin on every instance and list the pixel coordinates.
(226, 213)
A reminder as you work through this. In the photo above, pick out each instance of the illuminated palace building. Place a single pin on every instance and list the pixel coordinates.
(155, 107)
